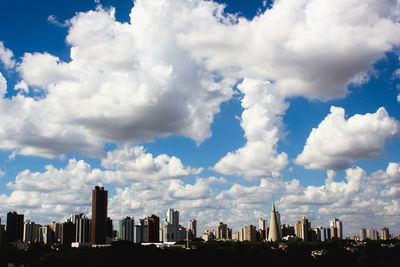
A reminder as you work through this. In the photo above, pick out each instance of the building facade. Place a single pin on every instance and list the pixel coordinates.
(99, 215)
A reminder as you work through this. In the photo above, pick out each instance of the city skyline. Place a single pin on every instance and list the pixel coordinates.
(153, 229)
(216, 109)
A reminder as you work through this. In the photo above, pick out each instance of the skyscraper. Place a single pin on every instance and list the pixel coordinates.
(173, 220)
(127, 228)
(274, 232)
(192, 228)
(336, 229)
(15, 227)
(99, 215)
(153, 228)
(363, 234)
(82, 228)
(385, 233)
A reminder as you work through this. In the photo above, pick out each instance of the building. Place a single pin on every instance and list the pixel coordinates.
(336, 229)
(248, 233)
(15, 227)
(153, 229)
(363, 234)
(192, 229)
(223, 232)
(207, 235)
(173, 221)
(82, 228)
(323, 234)
(2, 234)
(182, 233)
(99, 215)
(385, 233)
(274, 228)
(263, 227)
(57, 231)
(46, 235)
(140, 232)
(31, 232)
(372, 234)
(67, 233)
(304, 229)
(126, 229)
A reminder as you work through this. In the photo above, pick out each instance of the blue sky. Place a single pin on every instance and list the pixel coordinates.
(209, 109)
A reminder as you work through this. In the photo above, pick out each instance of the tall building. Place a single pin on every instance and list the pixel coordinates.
(372, 234)
(304, 229)
(248, 233)
(15, 227)
(192, 228)
(46, 235)
(173, 221)
(336, 229)
(223, 232)
(140, 232)
(274, 228)
(31, 232)
(99, 215)
(263, 226)
(323, 234)
(57, 231)
(67, 233)
(127, 229)
(82, 228)
(153, 229)
(385, 233)
(363, 234)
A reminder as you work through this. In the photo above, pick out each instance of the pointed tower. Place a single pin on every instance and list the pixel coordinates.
(274, 234)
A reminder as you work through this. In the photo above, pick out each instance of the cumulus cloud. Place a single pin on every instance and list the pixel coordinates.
(338, 141)
(262, 122)
(133, 163)
(6, 57)
(120, 86)
(309, 48)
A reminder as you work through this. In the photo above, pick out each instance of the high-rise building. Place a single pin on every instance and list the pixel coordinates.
(46, 235)
(140, 232)
(274, 228)
(67, 233)
(31, 232)
(372, 234)
(336, 229)
(99, 215)
(223, 232)
(153, 228)
(304, 229)
(263, 226)
(82, 228)
(363, 234)
(15, 227)
(248, 233)
(173, 221)
(323, 234)
(192, 228)
(385, 233)
(126, 229)
(56, 230)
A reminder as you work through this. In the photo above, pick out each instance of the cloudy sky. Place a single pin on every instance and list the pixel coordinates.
(214, 108)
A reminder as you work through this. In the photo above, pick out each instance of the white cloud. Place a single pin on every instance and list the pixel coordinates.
(133, 163)
(337, 142)
(308, 48)
(6, 57)
(262, 122)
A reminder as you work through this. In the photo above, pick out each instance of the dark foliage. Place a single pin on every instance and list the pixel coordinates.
(336, 253)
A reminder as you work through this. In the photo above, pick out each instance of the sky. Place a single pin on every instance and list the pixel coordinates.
(213, 108)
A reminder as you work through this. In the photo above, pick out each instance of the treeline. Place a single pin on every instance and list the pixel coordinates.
(339, 253)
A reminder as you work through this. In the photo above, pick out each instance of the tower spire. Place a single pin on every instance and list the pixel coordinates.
(274, 233)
